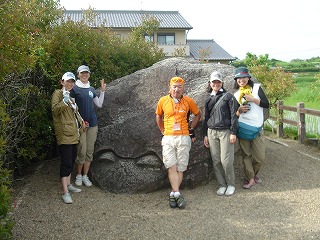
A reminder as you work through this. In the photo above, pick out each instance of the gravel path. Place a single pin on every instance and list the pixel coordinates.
(285, 206)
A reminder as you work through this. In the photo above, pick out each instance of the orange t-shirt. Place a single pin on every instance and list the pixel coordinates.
(176, 114)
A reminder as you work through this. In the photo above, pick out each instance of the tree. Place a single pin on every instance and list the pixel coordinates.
(204, 54)
(253, 60)
(21, 27)
(180, 51)
(277, 83)
(37, 47)
(71, 43)
(140, 52)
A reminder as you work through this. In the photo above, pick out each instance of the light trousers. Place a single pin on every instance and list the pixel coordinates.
(222, 154)
(85, 146)
(175, 151)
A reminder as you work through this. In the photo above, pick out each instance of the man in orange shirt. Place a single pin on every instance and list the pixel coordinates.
(172, 116)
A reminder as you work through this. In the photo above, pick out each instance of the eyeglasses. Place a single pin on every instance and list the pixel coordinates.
(85, 72)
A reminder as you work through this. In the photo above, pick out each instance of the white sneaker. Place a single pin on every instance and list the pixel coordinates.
(67, 198)
(78, 180)
(221, 191)
(86, 181)
(71, 188)
(230, 191)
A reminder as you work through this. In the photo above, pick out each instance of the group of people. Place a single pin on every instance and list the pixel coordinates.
(228, 117)
(76, 127)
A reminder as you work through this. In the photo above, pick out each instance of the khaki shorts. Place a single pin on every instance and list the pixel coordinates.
(175, 151)
(85, 146)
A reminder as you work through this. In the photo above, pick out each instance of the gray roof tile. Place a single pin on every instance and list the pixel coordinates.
(216, 52)
(129, 19)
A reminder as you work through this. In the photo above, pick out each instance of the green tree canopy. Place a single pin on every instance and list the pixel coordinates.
(21, 28)
(277, 83)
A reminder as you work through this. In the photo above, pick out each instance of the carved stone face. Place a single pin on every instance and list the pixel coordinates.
(128, 151)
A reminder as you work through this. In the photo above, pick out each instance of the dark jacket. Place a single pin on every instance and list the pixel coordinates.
(224, 116)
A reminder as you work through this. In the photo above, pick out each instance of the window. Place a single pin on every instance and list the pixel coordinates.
(166, 38)
(148, 38)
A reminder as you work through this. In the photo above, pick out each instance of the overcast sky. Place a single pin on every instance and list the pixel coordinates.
(284, 29)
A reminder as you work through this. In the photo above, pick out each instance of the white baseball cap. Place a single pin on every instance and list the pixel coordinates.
(68, 76)
(216, 76)
(83, 68)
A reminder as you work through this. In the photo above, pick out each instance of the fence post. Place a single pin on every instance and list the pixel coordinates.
(301, 122)
(279, 119)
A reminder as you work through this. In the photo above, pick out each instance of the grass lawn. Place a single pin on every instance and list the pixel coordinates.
(305, 91)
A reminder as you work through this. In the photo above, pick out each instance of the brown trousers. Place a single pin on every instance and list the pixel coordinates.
(253, 154)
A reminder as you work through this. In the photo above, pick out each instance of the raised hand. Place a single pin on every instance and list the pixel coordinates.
(103, 85)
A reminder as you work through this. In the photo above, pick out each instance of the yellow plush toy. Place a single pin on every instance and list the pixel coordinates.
(244, 91)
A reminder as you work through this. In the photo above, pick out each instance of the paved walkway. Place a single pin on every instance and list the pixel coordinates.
(285, 206)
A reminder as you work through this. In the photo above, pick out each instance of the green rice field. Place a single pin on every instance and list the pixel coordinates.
(304, 92)
(310, 98)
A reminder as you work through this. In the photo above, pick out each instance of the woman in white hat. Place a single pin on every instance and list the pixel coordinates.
(67, 126)
(85, 96)
(219, 129)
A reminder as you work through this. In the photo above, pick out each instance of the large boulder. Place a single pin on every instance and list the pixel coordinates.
(128, 153)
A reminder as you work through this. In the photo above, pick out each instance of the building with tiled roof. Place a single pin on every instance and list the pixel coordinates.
(209, 50)
(170, 36)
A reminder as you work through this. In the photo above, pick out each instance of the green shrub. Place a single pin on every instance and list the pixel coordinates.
(6, 221)
(47, 50)
(109, 57)
(23, 30)
(276, 83)
(26, 133)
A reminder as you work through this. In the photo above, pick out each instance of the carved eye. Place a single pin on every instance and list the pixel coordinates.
(107, 156)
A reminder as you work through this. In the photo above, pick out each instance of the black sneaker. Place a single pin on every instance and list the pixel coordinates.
(180, 202)
(172, 202)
